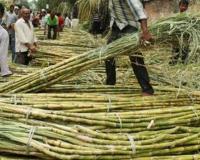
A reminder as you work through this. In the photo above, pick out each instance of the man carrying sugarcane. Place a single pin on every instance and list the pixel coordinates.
(183, 52)
(125, 17)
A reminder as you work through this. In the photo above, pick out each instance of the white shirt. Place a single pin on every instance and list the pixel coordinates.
(4, 39)
(43, 22)
(4, 42)
(127, 13)
(67, 22)
(24, 34)
(46, 18)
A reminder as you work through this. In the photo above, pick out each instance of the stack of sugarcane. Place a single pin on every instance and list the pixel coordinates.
(79, 142)
(100, 126)
(107, 113)
(69, 43)
(164, 30)
(180, 75)
(72, 39)
(73, 87)
(18, 71)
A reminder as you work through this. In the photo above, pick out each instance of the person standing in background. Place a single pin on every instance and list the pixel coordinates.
(67, 21)
(52, 22)
(42, 21)
(4, 43)
(182, 52)
(61, 22)
(46, 19)
(11, 20)
(75, 20)
(26, 41)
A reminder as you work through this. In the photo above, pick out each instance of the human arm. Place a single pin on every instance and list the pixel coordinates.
(140, 16)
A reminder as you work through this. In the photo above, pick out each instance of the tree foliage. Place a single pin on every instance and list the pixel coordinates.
(24, 3)
(56, 5)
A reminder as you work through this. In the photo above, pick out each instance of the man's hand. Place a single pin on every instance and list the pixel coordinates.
(33, 49)
(146, 38)
(35, 44)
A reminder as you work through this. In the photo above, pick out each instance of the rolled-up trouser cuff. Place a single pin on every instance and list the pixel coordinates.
(148, 89)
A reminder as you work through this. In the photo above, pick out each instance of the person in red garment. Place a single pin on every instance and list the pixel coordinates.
(61, 22)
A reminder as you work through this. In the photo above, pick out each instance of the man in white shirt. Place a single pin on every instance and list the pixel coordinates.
(67, 22)
(45, 21)
(4, 42)
(26, 42)
(42, 21)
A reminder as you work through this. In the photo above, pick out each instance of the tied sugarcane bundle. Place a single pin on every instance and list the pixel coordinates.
(114, 114)
(78, 142)
(165, 31)
(70, 43)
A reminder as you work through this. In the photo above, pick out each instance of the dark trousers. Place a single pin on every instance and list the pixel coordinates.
(137, 62)
(12, 45)
(22, 58)
(96, 27)
(179, 53)
(54, 32)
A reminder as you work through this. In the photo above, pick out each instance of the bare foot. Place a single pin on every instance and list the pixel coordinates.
(145, 94)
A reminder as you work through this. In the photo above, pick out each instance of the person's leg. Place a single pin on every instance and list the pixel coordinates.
(175, 56)
(58, 31)
(184, 55)
(13, 47)
(10, 38)
(110, 71)
(27, 58)
(138, 65)
(141, 73)
(20, 58)
(110, 63)
(55, 29)
(49, 32)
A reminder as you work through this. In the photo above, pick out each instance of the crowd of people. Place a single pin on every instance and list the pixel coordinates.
(17, 32)
(124, 19)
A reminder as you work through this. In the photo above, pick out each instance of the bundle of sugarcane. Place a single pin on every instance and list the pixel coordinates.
(112, 114)
(164, 30)
(88, 87)
(46, 57)
(69, 43)
(97, 76)
(181, 74)
(18, 71)
(73, 39)
(78, 142)
(118, 97)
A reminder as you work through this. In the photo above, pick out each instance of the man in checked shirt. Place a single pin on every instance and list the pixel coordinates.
(126, 15)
